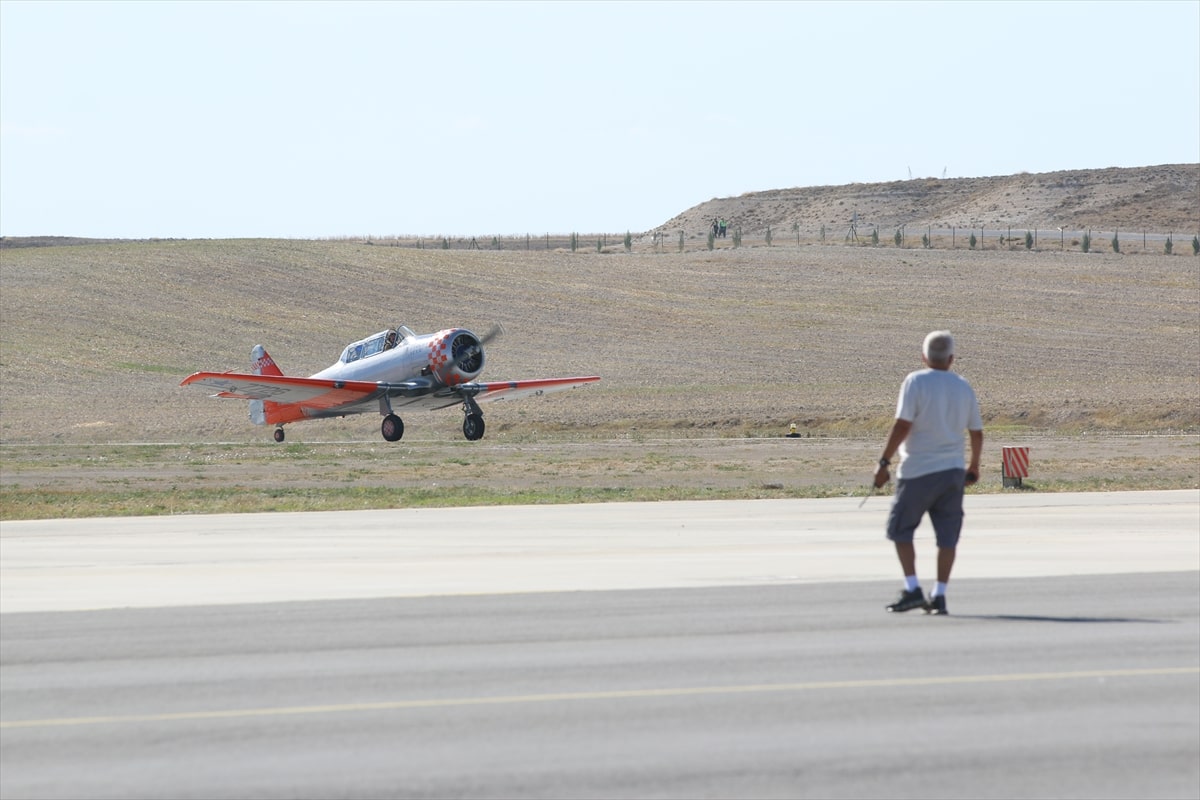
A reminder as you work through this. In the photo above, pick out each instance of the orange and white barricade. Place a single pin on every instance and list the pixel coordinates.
(1015, 462)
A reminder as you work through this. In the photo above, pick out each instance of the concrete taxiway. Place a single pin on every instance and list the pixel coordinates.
(59, 565)
(484, 653)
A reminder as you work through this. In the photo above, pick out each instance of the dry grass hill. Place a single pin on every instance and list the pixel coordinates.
(1160, 199)
(706, 356)
(96, 337)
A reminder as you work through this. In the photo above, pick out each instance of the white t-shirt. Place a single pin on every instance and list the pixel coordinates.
(940, 405)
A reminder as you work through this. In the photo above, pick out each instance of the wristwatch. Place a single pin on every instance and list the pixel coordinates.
(883, 462)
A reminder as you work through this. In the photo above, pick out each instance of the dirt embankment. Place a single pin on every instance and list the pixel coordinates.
(1160, 199)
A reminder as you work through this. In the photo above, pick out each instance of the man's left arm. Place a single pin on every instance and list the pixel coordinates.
(899, 433)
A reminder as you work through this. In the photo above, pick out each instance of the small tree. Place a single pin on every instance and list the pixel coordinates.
(768, 236)
(898, 238)
(875, 236)
(1086, 243)
(681, 241)
(628, 242)
(1196, 245)
(711, 237)
(1028, 240)
(574, 241)
(445, 243)
(737, 237)
(1167, 247)
(1116, 245)
(972, 241)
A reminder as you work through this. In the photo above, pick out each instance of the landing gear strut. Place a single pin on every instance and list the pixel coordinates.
(473, 421)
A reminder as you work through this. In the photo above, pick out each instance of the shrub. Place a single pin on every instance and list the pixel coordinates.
(925, 240)
(711, 236)
(681, 241)
(1028, 240)
(574, 241)
(1196, 245)
(1116, 245)
(875, 236)
(628, 242)
(897, 238)
(1086, 244)
(1167, 247)
(972, 242)
(737, 235)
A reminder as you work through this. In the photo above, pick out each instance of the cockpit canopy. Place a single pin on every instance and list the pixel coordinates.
(373, 345)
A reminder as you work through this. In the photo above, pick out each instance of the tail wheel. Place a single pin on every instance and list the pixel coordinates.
(392, 428)
(279, 434)
(473, 427)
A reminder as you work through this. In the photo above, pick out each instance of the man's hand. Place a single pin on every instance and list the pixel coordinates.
(972, 477)
(882, 476)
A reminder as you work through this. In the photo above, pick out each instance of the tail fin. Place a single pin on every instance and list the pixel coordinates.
(261, 363)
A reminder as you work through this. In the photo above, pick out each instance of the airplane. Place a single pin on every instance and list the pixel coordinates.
(395, 368)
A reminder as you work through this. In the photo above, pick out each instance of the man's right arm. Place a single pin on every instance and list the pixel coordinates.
(976, 453)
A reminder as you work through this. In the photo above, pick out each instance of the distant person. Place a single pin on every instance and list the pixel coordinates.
(934, 408)
(722, 228)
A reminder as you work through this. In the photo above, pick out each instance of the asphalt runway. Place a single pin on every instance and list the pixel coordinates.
(764, 665)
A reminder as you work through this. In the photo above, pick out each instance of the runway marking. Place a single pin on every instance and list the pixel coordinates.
(451, 702)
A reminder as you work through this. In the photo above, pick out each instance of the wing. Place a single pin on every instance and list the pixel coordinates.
(307, 397)
(510, 390)
(294, 398)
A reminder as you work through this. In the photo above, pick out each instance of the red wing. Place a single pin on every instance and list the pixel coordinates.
(312, 393)
(294, 398)
(507, 390)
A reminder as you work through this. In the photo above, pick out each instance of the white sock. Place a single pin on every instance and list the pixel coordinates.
(910, 583)
(939, 589)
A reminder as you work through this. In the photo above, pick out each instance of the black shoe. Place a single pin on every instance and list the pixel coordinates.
(907, 601)
(937, 606)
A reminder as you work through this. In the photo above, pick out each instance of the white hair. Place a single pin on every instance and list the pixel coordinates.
(938, 347)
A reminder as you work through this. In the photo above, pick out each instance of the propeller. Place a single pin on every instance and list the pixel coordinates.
(476, 349)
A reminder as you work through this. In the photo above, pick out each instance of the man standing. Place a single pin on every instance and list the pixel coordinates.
(934, 408)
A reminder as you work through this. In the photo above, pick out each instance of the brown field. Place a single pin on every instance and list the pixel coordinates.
(706, 358)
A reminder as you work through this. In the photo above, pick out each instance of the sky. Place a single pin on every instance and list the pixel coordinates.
(310, 119)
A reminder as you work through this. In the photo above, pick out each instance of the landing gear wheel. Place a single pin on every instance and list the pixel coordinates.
(392, 428)
(473, 427)
(279, 434)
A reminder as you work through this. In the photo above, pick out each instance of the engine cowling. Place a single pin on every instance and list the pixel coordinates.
(455, 356)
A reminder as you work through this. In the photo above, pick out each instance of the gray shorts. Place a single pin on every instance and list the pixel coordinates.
(940, 494)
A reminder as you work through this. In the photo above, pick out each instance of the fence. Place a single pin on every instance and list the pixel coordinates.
(955, 238)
